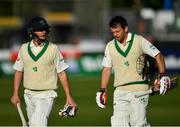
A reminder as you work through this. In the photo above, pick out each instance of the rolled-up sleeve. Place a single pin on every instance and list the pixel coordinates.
(149, 48)
(106, 59)
(18, 65)
(60, 63)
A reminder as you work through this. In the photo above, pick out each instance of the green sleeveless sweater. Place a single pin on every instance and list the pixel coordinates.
(125, 64)
(39, 71)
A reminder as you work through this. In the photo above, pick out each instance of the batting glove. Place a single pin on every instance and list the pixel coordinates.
(68, 111)
(101, 98)
(165, 84)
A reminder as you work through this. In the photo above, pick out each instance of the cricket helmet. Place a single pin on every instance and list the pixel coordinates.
(38, 24)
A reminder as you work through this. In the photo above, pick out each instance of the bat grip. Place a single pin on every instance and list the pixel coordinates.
(21, 115)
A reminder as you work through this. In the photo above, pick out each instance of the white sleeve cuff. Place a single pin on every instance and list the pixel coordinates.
(17, 68)
(65, 66)
(105, 64)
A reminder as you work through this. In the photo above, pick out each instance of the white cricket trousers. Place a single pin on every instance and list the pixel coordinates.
(128, 110)
(38, 106)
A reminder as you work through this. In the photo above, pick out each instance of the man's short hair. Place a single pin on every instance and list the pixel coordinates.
(118, 20)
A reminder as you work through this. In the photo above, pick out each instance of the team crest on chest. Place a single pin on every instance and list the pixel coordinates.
(35, 69)
(126, 63)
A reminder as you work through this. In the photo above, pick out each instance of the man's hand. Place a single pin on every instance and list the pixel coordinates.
(101, 98)
(165, 84)
(68, 111)
(15, 99)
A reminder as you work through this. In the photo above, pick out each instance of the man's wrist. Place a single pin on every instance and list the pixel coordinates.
(15, 93)
(103, 90)
(161, 75)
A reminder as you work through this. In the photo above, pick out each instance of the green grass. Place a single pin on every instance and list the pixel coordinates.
(162, 110)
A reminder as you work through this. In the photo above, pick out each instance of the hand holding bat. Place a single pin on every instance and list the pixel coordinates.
(156, 87)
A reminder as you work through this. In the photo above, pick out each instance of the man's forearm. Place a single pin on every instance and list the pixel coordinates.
(105, 77)
(17, 81)
(161, 63)
(65, 83)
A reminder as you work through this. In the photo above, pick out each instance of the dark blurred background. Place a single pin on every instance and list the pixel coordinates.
(80, 29)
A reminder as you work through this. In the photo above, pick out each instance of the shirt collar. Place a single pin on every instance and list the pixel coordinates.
(129, 36)
(32, 44)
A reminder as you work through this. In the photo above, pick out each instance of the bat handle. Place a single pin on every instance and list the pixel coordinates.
(21, 115)
(143, 94)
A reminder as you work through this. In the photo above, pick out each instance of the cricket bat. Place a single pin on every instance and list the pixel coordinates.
(24, 124)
